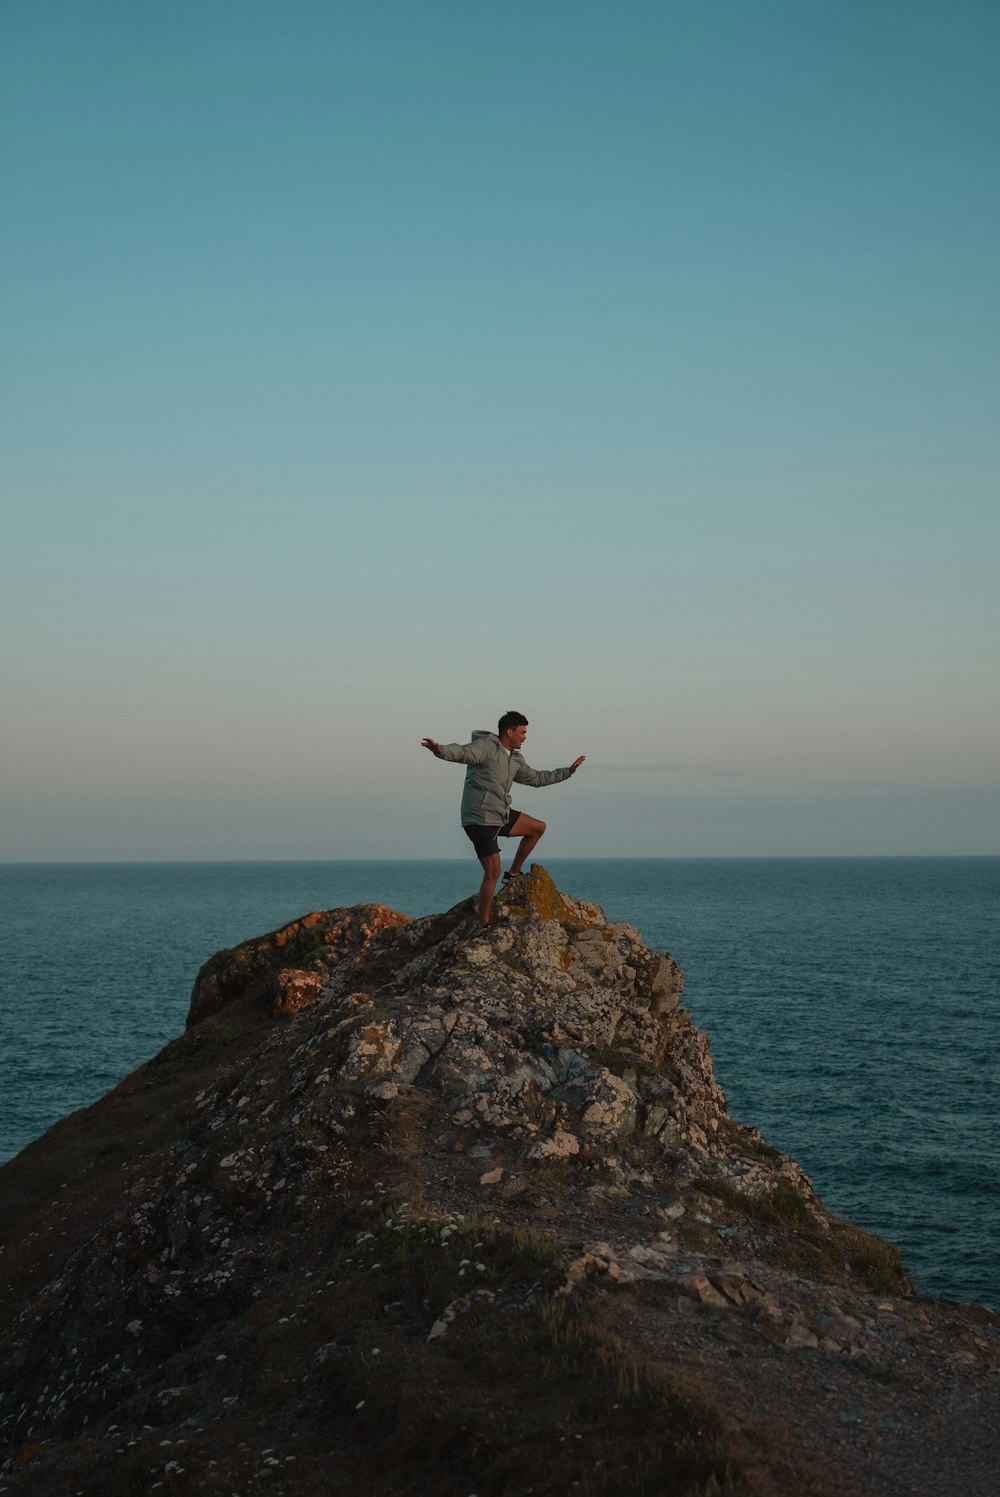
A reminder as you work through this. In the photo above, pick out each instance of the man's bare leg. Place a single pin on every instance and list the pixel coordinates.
(491, 875)
(529, 830)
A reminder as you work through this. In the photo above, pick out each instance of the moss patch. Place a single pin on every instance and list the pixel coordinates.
(537, 898)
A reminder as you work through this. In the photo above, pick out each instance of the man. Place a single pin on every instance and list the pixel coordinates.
(495, 762)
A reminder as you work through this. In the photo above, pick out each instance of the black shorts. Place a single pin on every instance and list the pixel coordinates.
(484, 838)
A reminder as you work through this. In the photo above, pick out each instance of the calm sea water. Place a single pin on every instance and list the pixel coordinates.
(852, 1004)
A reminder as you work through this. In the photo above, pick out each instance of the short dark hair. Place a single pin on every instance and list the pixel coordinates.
(511, 720)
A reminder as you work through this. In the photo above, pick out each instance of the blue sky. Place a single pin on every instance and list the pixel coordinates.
(369, 369)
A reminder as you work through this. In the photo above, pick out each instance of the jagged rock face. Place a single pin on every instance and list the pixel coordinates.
(556, 1028)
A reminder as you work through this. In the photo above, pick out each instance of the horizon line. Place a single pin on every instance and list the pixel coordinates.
(573, 858)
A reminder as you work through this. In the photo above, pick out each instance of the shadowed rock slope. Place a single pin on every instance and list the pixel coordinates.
(415, 1209)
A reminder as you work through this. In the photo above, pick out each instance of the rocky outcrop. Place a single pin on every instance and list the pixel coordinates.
(373, 1132)
(283, 971)
(557, 1030)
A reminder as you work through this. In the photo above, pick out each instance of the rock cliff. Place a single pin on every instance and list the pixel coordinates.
(413, 1208)
(555, 1034)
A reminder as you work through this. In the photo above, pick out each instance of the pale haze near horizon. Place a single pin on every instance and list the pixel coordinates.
(371, 369)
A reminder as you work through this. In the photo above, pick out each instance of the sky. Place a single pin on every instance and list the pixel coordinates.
(369, 369)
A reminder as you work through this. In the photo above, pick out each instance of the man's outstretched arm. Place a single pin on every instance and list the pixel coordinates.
(457, 753)
(538, 777)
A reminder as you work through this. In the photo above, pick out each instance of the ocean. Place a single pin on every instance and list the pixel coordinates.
(852, 1004)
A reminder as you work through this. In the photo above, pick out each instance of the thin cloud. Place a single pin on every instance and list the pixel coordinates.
(703, 769)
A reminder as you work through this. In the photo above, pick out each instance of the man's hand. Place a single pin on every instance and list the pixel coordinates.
(430, 743)
(576, 764)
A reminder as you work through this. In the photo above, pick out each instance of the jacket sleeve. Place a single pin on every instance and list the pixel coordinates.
(525, 775)
(465, 753)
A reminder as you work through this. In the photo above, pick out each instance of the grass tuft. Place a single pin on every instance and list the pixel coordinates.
(814, 1242)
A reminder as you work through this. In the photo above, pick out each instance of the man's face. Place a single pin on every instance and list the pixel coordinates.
(516, 736)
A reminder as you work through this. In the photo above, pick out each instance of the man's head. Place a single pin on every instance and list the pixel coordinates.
(512, 729)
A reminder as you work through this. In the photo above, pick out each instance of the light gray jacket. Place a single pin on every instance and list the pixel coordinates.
(490, 774)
